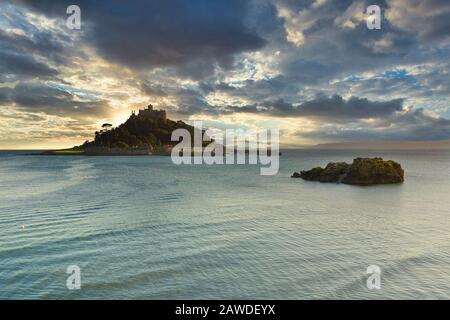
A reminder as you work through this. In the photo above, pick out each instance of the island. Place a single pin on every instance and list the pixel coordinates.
(363, 171)
(147, 132)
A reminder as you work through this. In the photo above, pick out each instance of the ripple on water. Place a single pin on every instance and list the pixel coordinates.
(140, 227)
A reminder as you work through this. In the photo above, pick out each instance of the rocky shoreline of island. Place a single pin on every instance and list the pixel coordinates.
(97, 152)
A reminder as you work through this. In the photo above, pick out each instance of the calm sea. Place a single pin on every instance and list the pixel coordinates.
(143, 228)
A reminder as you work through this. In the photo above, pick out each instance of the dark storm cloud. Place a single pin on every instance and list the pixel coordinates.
(16, 65)
(45, 43)
(27, 51)
(17, 60)
(429, 19)
(222, 86)
(152, 90)
(413, 125)
(5, 95)
(39, 98)
(191, 36)
(253, 90)
(192, 102)
(333, 108)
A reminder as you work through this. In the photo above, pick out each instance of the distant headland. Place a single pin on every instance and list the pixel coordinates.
(147, 131)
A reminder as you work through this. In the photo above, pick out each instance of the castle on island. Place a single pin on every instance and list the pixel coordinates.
(150, 113)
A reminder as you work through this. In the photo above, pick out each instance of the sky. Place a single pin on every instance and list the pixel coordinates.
(310, 68)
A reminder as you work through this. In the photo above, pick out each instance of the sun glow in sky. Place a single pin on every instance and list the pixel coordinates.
(310, 68)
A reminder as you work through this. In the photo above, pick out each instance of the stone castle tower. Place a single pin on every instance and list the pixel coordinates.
(152, 113)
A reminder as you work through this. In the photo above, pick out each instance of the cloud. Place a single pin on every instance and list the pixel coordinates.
(192, 37)
(54, 47)
(15, 65)
(32, 130)
(352, 16)
(428, 18)
(291, 62)
(153, 90)
(410, 124)
(333, 108)
(18, 57)
(31, 46)
(41, 98)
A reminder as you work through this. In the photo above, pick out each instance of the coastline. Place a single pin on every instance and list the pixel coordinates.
(106, 151)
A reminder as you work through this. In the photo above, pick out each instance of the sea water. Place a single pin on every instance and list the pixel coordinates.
(144, 228)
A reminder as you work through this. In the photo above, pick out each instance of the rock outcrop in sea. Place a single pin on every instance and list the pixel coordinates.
(363, 171)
